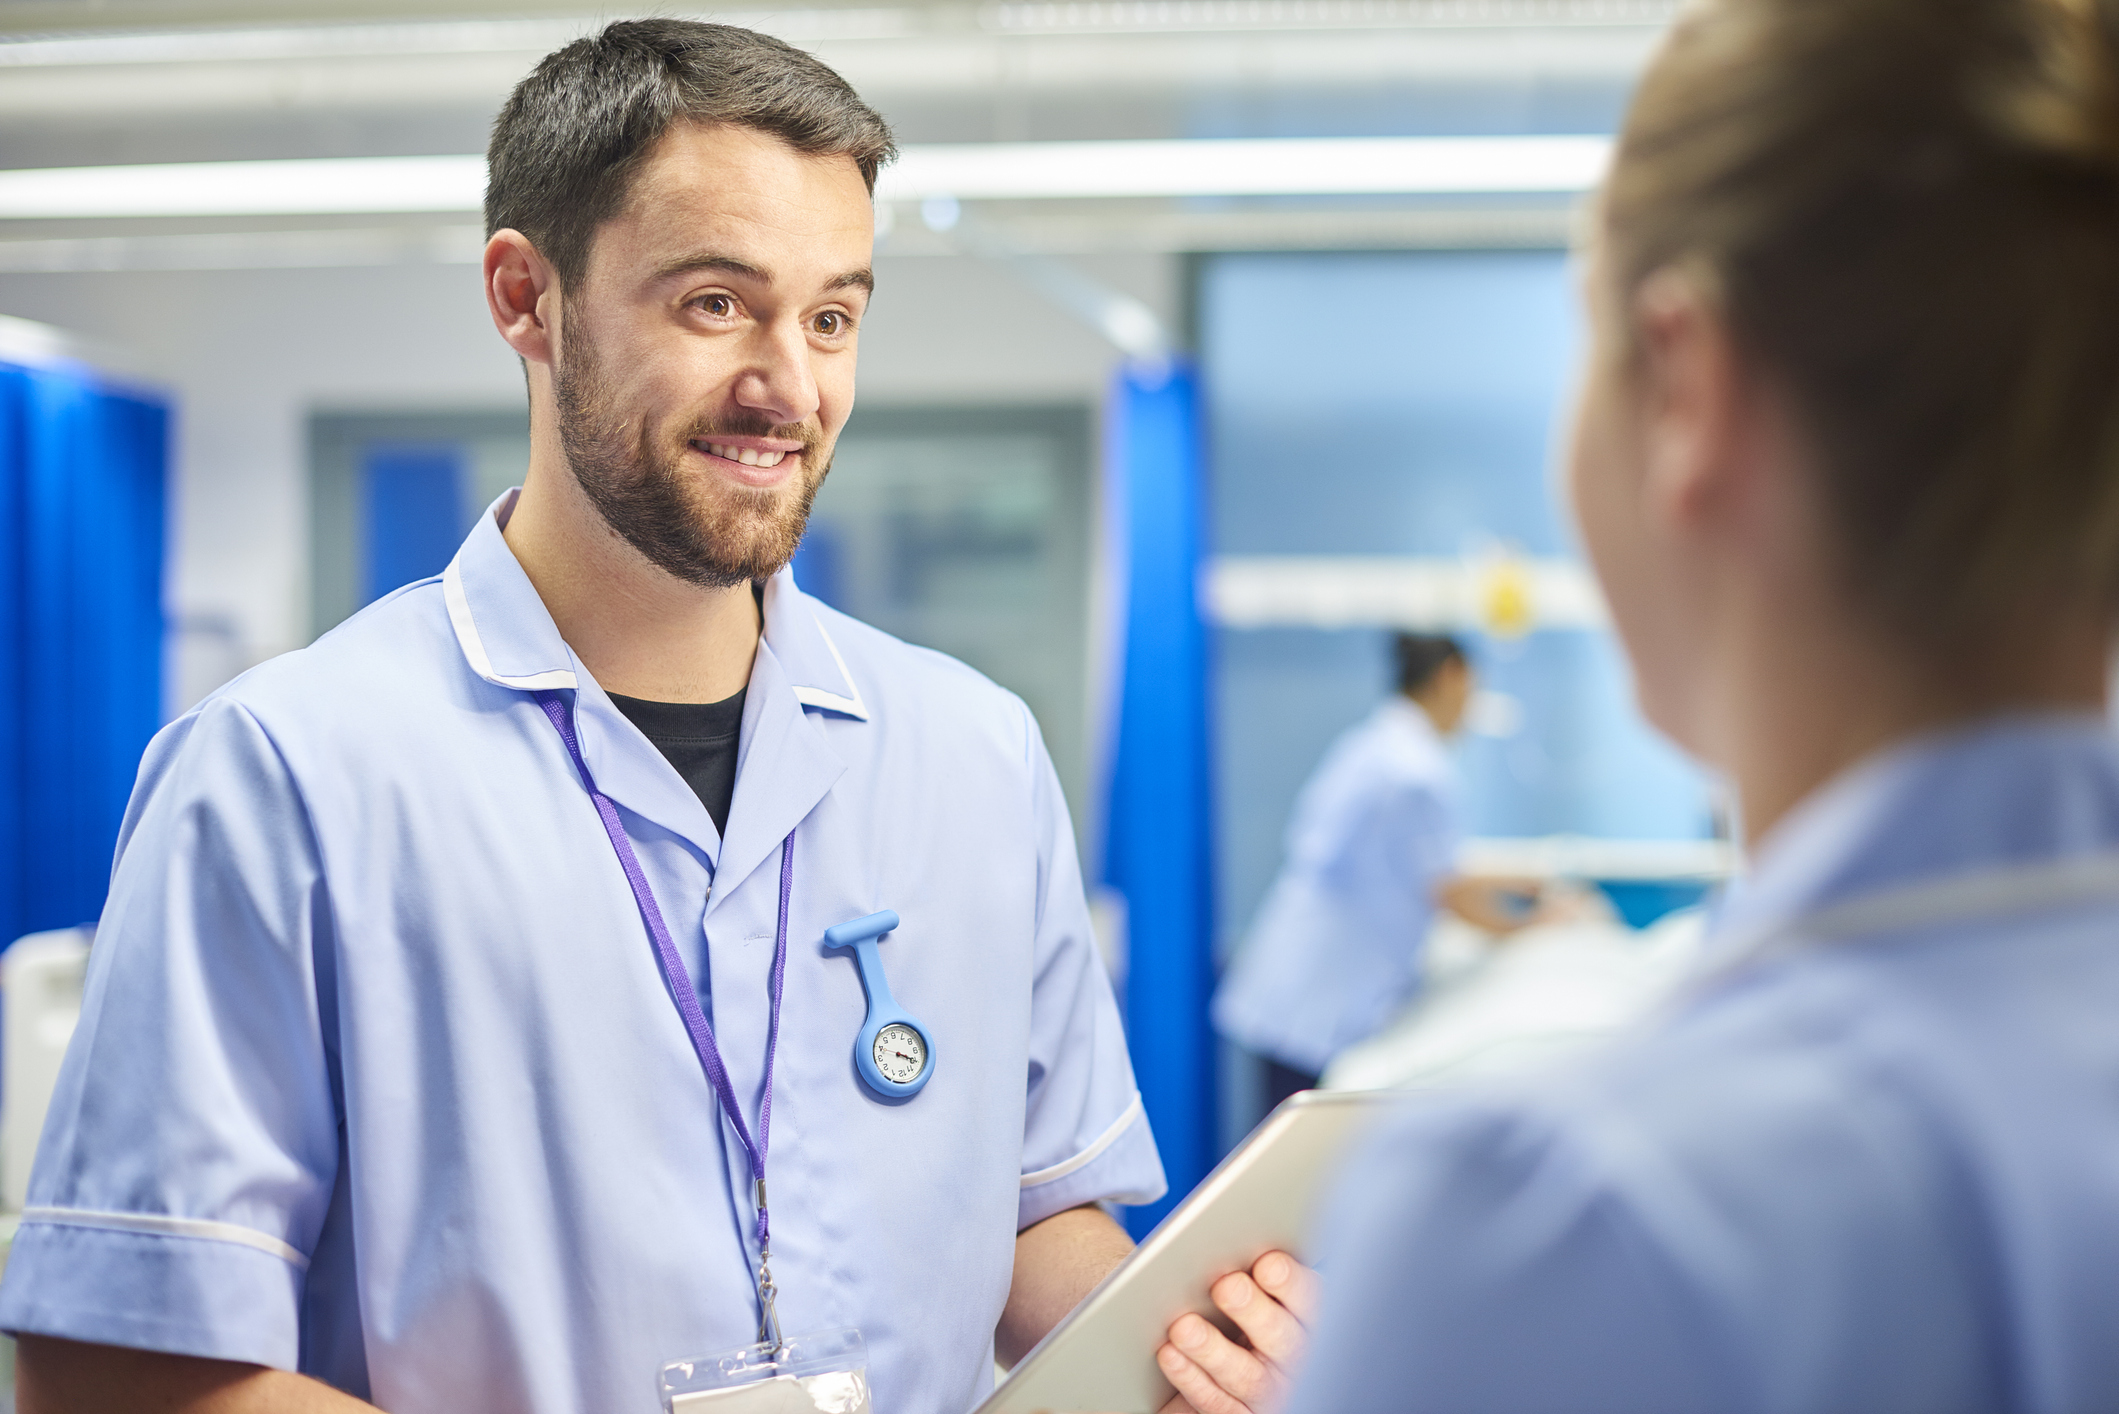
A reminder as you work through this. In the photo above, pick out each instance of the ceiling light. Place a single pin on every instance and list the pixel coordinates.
(334, 185)
(1247, 167)
(959, 172)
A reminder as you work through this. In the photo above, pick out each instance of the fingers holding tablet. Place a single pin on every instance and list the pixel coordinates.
(1290, 1283)
(1270, 1306)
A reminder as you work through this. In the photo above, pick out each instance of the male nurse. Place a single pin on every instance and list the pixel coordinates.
(462, 1031)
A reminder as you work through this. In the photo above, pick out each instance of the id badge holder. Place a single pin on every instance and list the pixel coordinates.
(824, 1372)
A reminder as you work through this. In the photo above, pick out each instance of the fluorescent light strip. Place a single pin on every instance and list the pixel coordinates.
(969, 171)
(1248, 167)
(330, 185)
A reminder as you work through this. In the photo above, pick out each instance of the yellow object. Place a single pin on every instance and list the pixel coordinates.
(1506, 609)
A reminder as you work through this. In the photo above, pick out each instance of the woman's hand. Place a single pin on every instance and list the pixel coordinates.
(1272, 1306)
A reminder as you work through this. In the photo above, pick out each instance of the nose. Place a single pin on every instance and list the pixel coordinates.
(779, 383)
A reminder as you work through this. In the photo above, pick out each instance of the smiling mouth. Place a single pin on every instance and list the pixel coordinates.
(747, 456)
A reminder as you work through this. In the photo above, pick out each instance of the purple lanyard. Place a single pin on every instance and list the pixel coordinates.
(687, 998)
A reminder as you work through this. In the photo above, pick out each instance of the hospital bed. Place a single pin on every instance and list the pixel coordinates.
(1493, 1008)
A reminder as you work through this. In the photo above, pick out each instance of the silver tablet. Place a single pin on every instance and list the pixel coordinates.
(1101, 1359)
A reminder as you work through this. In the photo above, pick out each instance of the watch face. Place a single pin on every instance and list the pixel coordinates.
(900, 1054)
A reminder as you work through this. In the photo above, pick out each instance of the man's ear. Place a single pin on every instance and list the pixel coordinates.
(1692, 390)
(522, 293)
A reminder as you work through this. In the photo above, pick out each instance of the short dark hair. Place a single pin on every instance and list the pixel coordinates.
(571, 137)
(1420, 656)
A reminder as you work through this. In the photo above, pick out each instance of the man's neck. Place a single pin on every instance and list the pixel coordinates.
(640, 631)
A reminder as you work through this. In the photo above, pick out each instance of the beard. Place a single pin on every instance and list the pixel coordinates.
(696, 527)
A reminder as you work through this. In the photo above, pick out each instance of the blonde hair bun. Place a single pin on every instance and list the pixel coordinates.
(1911, 211)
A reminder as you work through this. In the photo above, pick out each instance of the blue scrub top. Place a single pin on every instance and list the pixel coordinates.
(377, 1077)
(1337, 944)
(1869, 1162)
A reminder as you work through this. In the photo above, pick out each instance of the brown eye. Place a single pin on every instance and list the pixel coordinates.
(720, 306)
(831, 323)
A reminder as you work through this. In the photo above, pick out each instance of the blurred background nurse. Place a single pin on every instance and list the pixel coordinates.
(1846, 461)
(1371, 855)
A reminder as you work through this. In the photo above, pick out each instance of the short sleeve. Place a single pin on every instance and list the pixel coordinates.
(1085, 1135)
(1392, 846)
(1426, 831)
(189, 1155)
(1474, 1261)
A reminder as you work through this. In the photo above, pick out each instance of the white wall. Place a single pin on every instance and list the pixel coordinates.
(250, 354)
(247, 355)
(947, 328)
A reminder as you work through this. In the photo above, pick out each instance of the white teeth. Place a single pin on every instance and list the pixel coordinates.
(748, 456)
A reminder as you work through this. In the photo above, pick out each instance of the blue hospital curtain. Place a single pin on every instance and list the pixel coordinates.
(83, 467)
(1158, 846)
(415, 511)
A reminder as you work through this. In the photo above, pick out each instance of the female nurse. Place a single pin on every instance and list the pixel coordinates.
(1847, 463)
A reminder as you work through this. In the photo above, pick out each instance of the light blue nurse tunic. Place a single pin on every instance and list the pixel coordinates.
(377, 1077)
(1336, 947)
(1870, 1162)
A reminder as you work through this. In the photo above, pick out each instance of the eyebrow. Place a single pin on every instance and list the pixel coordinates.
(726, 264)
(862, 279)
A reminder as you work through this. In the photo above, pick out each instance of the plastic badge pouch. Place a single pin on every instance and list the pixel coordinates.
(825, 1372)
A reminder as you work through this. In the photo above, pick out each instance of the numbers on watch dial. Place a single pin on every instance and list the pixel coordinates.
(900, 1054)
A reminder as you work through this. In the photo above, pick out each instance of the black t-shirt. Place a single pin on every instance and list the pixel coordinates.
(699, 738)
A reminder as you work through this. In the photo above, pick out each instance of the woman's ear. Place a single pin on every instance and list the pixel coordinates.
(517, 281)
(1693, 400)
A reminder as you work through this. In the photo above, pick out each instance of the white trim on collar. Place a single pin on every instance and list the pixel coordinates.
(817, 697)
(465, 625)
(474, 648)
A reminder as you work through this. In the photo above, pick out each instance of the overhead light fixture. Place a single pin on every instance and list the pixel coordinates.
(1364, 166)
(316, 186)
(962, 172)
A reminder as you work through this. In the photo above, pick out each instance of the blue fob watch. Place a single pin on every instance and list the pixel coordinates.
(894, 1053)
